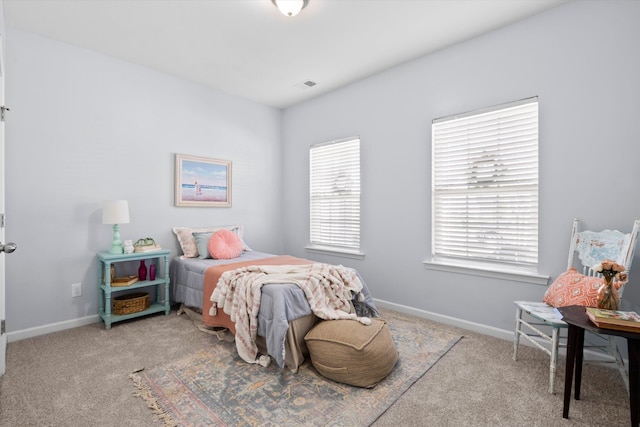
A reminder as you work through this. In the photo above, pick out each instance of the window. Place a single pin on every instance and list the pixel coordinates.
(485, 187)
(335, 196)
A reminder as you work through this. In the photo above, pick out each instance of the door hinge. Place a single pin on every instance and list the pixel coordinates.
(1, 220)
(2, 330)
(3, 110)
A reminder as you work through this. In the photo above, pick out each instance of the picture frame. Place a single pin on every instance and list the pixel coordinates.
(202, 181)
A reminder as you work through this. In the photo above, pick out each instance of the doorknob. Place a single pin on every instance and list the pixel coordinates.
(8, 248)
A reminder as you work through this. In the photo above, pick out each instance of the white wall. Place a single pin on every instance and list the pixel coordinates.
(582, 61)
(86, 128)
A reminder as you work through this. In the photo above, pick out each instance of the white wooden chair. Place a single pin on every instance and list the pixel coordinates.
(541, 324)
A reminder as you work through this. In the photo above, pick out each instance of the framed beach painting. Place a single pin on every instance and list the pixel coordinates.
(201, 181)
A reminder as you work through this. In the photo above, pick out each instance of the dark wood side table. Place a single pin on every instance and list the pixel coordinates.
(578, 321)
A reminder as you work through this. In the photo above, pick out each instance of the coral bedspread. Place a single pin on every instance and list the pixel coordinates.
(212, 275)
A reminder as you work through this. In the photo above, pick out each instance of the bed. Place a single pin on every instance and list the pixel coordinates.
(285, 315)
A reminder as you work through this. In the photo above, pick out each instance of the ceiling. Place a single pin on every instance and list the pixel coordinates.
(248, 49)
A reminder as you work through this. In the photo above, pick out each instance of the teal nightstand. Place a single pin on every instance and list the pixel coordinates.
(106, 259)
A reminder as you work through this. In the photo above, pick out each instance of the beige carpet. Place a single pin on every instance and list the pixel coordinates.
(79, 377)
(214, 387)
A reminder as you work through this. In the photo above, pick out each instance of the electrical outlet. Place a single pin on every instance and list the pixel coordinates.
(76, 289)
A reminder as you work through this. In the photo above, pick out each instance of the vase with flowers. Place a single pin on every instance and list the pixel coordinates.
(608, 297)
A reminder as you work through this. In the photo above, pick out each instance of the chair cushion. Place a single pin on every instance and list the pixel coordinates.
(349, 352)
(573, 288)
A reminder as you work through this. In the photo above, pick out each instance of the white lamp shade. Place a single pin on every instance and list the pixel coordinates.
(115, 212)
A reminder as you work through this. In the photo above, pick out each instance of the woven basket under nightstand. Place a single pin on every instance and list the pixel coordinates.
(130, 303)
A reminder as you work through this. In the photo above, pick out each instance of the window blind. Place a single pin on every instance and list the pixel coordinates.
(485, 185)
(335, 194)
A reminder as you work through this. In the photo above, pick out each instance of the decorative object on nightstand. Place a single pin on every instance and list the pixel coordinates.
(115, 212)
(142, 271)
(128, 246)
(112, 273)
(145, 245)
(152, 272)
(124, 280)
(131, 303)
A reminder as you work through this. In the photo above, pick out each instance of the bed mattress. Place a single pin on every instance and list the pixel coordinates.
(187, 276)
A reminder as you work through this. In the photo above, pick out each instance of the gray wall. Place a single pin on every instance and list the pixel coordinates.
(581, 59)
(86, 128)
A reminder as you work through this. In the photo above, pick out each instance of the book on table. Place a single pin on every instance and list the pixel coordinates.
(124, 280)
(146, 248)
(614, 319)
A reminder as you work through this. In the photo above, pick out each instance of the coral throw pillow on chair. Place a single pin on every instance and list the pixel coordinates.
(225, 244)
(573, 288)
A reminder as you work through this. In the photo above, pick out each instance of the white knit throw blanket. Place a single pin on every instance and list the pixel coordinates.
(328, 289)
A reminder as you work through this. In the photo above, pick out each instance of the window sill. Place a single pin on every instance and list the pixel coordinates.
(484, 270)
(328, 250)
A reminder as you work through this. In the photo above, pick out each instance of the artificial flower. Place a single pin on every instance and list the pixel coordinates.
(610, 269)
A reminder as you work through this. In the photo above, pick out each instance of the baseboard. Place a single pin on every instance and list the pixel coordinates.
(52, 327)
(448, 320)
(590, 355)
(476, 327)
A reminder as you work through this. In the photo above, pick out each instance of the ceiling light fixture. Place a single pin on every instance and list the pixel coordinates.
(290, 7)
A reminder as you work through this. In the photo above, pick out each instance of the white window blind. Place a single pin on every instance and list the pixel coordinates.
(335, 194)
(485, 185)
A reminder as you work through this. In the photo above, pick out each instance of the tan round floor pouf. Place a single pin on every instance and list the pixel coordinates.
(349, 352)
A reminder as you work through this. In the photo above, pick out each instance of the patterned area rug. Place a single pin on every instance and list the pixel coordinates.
(214, 387)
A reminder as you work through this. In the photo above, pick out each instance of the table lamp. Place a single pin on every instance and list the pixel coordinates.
(115, 212)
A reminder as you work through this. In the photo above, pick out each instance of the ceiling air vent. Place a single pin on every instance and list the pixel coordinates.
(306, 84)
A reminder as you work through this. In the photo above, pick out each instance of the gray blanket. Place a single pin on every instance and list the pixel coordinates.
(280, 303)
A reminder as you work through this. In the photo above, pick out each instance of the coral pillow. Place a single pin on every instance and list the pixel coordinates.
(224, 244)
(573, 288)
